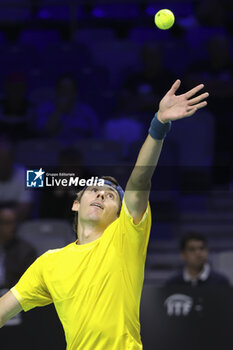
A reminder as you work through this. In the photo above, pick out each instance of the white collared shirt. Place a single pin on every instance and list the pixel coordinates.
(203, 275)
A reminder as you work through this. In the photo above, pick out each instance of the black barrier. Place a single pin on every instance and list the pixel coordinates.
(171, 319)
(181, 318)
(37, 329)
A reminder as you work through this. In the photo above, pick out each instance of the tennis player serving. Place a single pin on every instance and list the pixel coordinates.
(96, 282)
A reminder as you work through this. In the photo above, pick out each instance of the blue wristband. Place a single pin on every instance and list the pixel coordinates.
(159, 130)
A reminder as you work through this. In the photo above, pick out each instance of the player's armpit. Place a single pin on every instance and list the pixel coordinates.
(9, 307)
(136, 202)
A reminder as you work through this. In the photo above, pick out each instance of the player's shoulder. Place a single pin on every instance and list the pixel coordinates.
(125, 213)
(54, 253)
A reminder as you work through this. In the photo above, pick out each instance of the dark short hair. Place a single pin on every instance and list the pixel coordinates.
(192, 235)
(80, 194)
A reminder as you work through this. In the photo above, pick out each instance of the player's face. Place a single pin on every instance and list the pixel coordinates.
(195, 254)
(99, 204)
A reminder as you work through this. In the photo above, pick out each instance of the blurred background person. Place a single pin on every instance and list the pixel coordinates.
(211, 12)
(67, 118)
(138, 95)
(112, 38)
(16, 111)
(216, 69)
(197, 270)
(143, 89)
(117, 128)
(12, 182)
(16, 255)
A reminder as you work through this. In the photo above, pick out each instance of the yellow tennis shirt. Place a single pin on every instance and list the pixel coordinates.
(95, 287)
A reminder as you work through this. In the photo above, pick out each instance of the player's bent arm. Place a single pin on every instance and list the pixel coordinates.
(138, 187)
(9, 307)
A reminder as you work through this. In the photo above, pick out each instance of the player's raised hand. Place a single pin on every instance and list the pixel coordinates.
(173, 107)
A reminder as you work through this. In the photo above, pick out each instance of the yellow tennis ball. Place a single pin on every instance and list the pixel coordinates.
(164, 19)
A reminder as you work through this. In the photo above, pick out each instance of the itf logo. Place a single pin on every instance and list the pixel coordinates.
(178, 305)
(35, 178)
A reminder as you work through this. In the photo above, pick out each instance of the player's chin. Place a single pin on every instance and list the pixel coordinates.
(97, 215)
(96, 210)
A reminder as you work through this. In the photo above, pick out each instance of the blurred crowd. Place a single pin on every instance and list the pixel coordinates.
(98, 90)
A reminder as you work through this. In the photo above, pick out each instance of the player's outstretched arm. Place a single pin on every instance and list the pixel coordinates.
(9, 307)
(172, 107)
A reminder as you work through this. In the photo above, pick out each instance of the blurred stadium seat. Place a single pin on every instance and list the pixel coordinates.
(181, 53)
(15, 11)
(46, 234)
(198, 36)
(58, 12)
(90, 35)
(223, 262)
(124, 130)
(180, 8)
(184, 134)
(168, 261)
(210, 230)
(62, 58)
(116, 10)
(23, 58)
(3, 38)
(116, 56)
(39, 38)
(95, 89)
(40, 94)
(140, 35)
(37, 152)
(99, 152)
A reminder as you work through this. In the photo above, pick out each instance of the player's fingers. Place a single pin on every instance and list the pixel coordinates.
(201, 105)
(198, 99)
(193, 91)
(196, 106)
(190, 112)
(174, 87)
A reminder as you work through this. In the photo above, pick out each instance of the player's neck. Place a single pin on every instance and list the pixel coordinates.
(88, 233)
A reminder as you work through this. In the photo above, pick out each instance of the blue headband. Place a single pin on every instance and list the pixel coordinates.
(117, 188)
